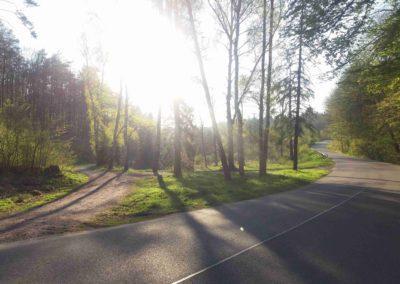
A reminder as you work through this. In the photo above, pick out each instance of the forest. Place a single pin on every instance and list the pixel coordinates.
(53, 118)
(364, 110)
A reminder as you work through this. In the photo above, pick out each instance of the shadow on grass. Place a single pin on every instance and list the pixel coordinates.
(56, 199)
(177, 203)
(51, 212)
(210, 189)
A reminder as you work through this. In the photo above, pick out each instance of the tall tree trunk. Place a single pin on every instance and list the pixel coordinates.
(116, 128)
(240, 142)
(290, 118)
(224, 162)
(3, 80)
(126, 138)
(238, 8)
(84, 127)
(215, 147)
(261, 153)
(95, 118)
(203, 147)
(282, 129)
(229, 122)
(157, 146)
(269, 76)
(177, 141)
(298, 96)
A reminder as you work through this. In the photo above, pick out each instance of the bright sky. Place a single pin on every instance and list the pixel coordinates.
(155, 62)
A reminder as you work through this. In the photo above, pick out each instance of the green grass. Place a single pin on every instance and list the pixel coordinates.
(20, 199)
(203, 189)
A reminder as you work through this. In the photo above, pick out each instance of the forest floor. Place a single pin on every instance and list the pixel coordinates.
(70, 213)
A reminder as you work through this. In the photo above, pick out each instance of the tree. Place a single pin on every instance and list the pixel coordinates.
(224, 12)
(21, 15)
(203, 147)
(269, 78)
(224, 162)
(215, 149)
(290, 111)
(43, 109)
(261, 144)
(126, 137)
(189, 131)
(157, 145)
(298, 93)
(238, 11)
(177, 141)
(300, 29)
(116, 131)
(364, 108)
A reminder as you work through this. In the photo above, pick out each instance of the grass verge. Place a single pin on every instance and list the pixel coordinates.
(21, 193)
(203, 189)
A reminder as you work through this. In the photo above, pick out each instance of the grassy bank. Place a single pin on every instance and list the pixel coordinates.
(22, 192)
(203, 189)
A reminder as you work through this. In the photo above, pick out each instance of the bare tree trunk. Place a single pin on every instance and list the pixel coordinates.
(224, 162)
(238, 8)
(215, 146)
(229, 122)
(203, 147)
(269, 75)
(240, 142)
(282, 130)
(126, 140)
(262, 162)
(85, 134)
(290, 118)
(226, 20)
(95, 124)
(157, 146)
(98, 116)
(177, 142)
(3, 80)
(298, 95)
(115, 136)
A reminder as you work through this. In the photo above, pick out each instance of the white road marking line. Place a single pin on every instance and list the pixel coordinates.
(268, 239)
(326, 193)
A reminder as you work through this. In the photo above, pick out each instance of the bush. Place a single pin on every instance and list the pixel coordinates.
(52, 171)
(24, 147)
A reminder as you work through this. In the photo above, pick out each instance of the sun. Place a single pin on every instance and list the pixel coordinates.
(153, 58)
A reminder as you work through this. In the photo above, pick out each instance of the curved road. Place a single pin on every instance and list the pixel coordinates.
(344, 228)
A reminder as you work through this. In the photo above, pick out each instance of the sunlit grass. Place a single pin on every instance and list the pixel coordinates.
(59, 187)
(207, 188)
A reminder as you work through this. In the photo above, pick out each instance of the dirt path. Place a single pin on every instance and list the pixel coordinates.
(71, 212)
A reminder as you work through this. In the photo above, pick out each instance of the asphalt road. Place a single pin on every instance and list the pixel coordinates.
(344, 228)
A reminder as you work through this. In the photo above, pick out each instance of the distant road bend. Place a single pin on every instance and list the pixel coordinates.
(345, 228)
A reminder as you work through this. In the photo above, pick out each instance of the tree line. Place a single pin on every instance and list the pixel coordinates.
(50, 115)
(364, 110)
(301, 31)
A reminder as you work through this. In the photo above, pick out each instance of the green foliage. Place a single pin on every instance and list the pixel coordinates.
(24, 147)
(365, 108)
